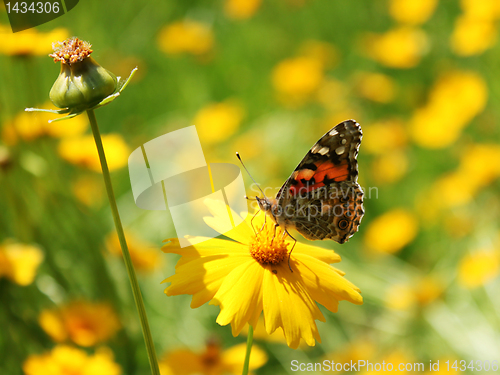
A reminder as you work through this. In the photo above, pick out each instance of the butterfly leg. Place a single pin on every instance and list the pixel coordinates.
(290, 253)
(263, 225)
(274, 234)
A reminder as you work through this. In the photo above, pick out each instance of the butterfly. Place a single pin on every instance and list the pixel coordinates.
(322, 198)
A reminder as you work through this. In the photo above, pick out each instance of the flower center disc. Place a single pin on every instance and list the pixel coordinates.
(266, 247)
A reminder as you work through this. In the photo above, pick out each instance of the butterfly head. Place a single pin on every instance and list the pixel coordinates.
(264, 204)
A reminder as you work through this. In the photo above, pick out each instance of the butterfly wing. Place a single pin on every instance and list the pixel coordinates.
(322, 199)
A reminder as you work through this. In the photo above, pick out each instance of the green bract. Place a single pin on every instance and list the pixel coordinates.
(82, 84)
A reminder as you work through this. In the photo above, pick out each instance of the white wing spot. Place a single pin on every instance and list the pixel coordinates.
(340, 150)
(315, 148)
(333, 132)
(324, 150)
(344, 141)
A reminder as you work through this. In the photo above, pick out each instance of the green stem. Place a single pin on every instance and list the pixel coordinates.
(249, 350)
(153, 361)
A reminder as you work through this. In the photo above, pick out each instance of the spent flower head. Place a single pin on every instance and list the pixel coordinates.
(82, 83)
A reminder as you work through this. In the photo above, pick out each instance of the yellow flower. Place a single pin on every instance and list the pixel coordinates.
(29, 126)
(212, 361)
(455, 99)
(65, 360)
(389, 167)
(251, 275)
(19, 262)
(360, 349)
(145, 256)
(84, 323)
(241, 9)
(476, 163)
(400, 297)
(326, 53)
(478, 268)
(333, 95)
(401, 47)
(391, 231)
(29, 42)
(412, 12)
(88, 189)
(383, 136)
(186, 37)
(218, 121)
(296, 79)
(428, 289)
(377, 87)
(475, 171)
(472, 36)
(82, 151)
(423, 291)
(484, 9)
(395, 357)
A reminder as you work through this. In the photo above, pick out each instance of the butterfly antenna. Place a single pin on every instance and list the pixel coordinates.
(241, 161)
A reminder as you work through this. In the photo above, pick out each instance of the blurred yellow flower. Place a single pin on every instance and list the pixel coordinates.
(455, 99)
(251, 275)
(484, 9)
(324, 52)
(400, 297)
(333, 95)
(395, 357)
(28, 126)
(412, 12)
(359, 349)
(186, 37)
(384, 136)
(30, 41)
(428, 289)
(377, 87)
(145, 256)
(65, 360)
(212, 361)
(82, 151)
(477, 163)
(391, 231)
(389, 167)
(472, 36)
(88, 189)
(218, 121)
(475, 171)
(402, 47)
(478, 268)
(297, 79)
(84, 323)
(241, 9)
(19, 262)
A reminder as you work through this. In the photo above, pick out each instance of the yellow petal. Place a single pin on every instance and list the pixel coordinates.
(240, 296)
(288, 305)
(202, 277)
(324, 284)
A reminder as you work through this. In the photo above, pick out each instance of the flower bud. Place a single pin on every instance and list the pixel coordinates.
(82, 83)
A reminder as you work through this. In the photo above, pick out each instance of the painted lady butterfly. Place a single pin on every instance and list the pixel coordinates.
(322, 199)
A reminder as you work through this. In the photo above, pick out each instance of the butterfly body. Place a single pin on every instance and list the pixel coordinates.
(322, 198)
